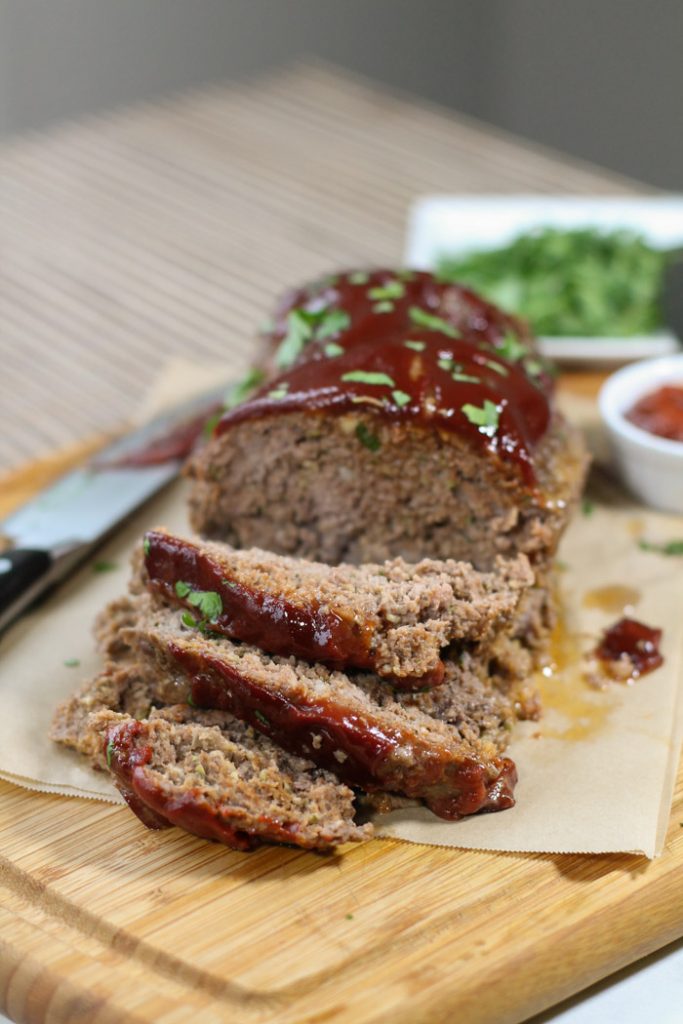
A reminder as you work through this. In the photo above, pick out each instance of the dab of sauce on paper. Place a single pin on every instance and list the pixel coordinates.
(629, 649)
(612, 599)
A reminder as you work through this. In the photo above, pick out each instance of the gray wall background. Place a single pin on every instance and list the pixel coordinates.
(602, 79)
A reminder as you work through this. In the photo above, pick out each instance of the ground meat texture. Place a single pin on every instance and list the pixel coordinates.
(373, 445)
(392, 618)
(328, 717)
(218, 779)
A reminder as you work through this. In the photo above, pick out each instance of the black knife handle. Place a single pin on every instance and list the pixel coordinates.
(20, 573)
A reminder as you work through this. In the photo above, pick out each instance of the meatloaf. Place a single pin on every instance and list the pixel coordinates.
(399, 417)
(217, 778)
(351, 726)
(393, 618)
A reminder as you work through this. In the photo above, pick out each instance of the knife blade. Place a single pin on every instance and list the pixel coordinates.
(47, 537)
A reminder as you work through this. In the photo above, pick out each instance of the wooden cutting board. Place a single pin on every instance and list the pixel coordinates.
(102, 921)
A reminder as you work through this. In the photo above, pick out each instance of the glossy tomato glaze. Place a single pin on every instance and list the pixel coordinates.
(266, 620)
(450, 785)
(631, 639)
(431, 372)
(660, 412)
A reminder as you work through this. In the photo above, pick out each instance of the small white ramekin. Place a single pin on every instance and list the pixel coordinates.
(651, 466)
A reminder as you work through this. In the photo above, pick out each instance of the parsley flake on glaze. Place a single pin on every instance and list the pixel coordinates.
(400, 398)
(433, 323)
(369, 377)
(332, 349)
(485, 417)
(359, 277)
(383, 307)
(390, 290)
(417, 346)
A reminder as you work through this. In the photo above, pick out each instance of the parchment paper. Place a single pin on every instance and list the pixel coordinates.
(596, 774)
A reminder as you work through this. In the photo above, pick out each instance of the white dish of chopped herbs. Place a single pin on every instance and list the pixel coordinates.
(586, 272)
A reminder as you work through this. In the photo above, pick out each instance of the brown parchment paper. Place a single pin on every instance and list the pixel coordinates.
(596, 774)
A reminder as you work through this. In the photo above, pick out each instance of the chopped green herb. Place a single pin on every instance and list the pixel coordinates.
(332, 322)
(188, 620)
(433, 323)
(367, 438)
(212, 423)
(261, 717)
(110, 753)
(400, 398)
(146, 545)
(241, 391)
(669, 547)
(299, 333)
(359, 277)
(577, 282)
(417, 346)
(497, 367)
(390, 290)
(445, 364)
(511, 348)
(405, 275)
(104, 566)
(72, 662)
(190, 700)
(182, 589)
(199, 769)
(587, 507)
(333, 349)
(208, 602)
(229, 583)
(486, 417)
(534, 367)
(464, 378)
(349, 917)
(383, 307)
(279, 392)
(369, 377)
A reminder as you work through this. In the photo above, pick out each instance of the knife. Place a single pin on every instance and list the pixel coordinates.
(55, 531)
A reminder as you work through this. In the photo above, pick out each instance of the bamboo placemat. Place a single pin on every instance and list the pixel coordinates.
(168, 228)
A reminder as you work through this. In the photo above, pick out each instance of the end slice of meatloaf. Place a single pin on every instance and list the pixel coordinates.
(326, 716)
(215, 777)
(393, 618)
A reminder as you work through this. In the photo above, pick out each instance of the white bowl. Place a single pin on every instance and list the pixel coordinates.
(460, 224)
(651, 466)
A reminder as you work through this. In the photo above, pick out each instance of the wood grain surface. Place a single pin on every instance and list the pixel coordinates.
(167, 229)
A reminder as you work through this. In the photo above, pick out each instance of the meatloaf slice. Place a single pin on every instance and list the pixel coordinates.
(394, 619)
(217, 778)
(326, 716)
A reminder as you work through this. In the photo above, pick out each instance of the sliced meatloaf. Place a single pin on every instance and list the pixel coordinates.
(394, 426)
(327, 716)
(393, 618)
(217, 778)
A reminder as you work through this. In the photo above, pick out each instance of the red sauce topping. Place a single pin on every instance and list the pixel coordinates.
(433, 353)
(632, 639)
(450, 786)
(660, 412)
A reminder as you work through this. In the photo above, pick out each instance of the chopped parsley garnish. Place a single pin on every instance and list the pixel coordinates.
(280, 392)
(188, 620)
(146, 545)
(455, 370)
(445, 364)
(369, 377)
(110, 753)
(587, 507)
(668, 547)
(390, 290)
(190, 700)
(400, 398)
(405, 275)
(72, 662)
(261, 717)
(485, 417)
(359, 277)
(417, 346)
(433, 323)
(208, 602)
(511, 348)
(104, 566)
(304, 326)
(349, 917)
(534, 367)
(464, 378)
(240, 391)
(333, 349)
(367, 438)
(383, 307)
(331, 322)
(497, 367)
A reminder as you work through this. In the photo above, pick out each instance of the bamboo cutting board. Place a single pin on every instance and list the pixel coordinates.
(102, 921)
